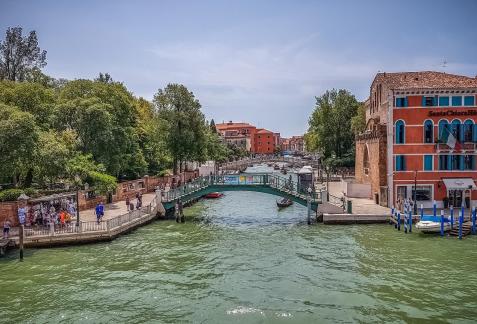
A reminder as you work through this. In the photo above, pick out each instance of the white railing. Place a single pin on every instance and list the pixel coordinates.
(90, 226)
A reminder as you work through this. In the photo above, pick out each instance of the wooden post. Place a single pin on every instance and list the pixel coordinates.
(442, 223)
(308, 203)
(21, 241)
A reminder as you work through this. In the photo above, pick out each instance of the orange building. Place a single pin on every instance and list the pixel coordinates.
(420, 140)
(248, 137)
(264, 141)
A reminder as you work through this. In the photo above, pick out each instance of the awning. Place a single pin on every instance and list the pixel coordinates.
(459, 184)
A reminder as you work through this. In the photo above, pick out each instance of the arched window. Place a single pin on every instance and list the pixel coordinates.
(468, 131)
(400, 132)
(428, 131)
(443, 130)
(366, 160)
(457, 130)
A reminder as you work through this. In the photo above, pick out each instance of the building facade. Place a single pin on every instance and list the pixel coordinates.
(247, 136)
(294, 144)
(420, 139)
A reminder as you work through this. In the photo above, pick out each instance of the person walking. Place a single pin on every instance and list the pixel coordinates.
(127, 203)
(6, 228)
(98, 212)
(101, 210)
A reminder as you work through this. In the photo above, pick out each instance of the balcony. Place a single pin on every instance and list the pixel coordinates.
(466, 147)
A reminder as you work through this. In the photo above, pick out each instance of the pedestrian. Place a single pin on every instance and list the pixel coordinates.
(101, 209)
(98, 212)
(127, 203)
(6, 228)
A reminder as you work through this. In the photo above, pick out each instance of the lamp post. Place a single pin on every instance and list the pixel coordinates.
(415, 192)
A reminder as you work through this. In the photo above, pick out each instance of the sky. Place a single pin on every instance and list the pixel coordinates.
(255, 61)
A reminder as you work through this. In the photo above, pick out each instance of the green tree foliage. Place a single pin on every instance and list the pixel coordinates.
(184, 123)
(358, 122)
(20, 55)
(330, 130)
(18, 141)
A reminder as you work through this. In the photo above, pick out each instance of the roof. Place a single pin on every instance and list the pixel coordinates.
(425, 80)
(231, 125)
(263, 131)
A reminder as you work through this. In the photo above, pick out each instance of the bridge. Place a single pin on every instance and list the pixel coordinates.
(290, 160)
(267, 183)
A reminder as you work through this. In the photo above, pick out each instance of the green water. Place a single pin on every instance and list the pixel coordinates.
(240, 260)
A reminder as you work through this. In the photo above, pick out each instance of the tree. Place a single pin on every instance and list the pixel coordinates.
(212, 126)
(20, 55)
(184, 124)
(105, 78)
(358, 122)
(330, 126)
(18, 140)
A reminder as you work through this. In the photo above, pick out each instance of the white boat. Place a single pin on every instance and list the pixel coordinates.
(432, 224)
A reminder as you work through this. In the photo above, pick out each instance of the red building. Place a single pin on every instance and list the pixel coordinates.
(248, 137)
(264, 141)
(420, 139)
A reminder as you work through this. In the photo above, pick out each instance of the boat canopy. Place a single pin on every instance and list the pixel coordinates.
(459, 184)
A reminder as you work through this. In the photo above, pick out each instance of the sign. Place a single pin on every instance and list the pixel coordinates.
(231, 179)
(440, 113)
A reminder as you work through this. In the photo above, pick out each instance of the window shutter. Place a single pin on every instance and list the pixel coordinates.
(434, 101)
(423, 101)
(405, 102)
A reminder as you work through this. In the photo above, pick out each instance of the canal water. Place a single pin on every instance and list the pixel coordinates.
(239, 260)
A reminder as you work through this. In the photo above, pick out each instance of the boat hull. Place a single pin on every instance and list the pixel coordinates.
(213, 195)
(431, 227)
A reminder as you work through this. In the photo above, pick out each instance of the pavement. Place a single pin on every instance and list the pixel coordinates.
(115, 209)
(359, 205)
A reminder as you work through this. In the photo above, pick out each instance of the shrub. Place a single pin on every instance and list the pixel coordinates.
(10, 194)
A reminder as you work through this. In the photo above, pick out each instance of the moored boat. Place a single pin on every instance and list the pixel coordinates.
(285, 202)
(432, 224)
(213, 195)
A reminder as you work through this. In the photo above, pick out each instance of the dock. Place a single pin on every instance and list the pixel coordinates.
(6, 244)
(355, 219)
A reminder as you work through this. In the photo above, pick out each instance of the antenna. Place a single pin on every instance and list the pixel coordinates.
(444, 63)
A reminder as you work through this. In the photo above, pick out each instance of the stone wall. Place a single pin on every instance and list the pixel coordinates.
(375, 143)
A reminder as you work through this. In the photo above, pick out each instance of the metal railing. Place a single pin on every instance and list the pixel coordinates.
(274, 181)
(90, 226)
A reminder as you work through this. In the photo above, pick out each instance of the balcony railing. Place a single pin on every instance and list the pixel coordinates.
(466, 146)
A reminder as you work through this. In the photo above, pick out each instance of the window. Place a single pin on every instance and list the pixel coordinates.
(428, 131)
(456, 101)
(401, 102)
(400, 163)
(402, 192)
(468, 162)
(444, 162)
(423, 193)
(428, 163)
(429, 101)
(468, 131)
(400, 136)
(469, 101)
(456, 129)
(444, 130)
(443, 101)
(455, 162)
(366, 160)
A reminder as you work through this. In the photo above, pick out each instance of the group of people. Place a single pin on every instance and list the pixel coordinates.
(130, 204)
(404, 204)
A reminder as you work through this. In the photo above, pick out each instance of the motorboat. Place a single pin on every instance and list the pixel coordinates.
(285, 202)
(214, 195)
(432, 224)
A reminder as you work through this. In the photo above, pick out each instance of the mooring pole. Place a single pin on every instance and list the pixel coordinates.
(473, 220)
(452, 216)
(21, 241)
(442, 223)
(410, 221)
(308, 205)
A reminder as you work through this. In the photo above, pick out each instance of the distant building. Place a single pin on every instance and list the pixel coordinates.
(248, 137)
(421, 128)
(264, 141)
(294, 144)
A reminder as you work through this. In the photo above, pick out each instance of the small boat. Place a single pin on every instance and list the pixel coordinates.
(285, 202)
(214, 195)
(432, 224)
